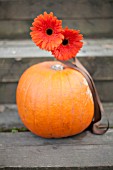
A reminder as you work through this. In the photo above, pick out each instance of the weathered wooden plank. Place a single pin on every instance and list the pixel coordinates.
(10, 68)
(105, 89)
(26, 48)
(92, 28)
(85, 138)
(28, 9)
(21, 49)
(96, 56)
(89, 27)
(84, 151)
(14, 29)
(9, 118)
(101, 69)
(57, 157)
(8, 91)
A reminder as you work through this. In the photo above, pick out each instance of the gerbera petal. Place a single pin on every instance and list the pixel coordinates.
(47, 29)
(70, 46)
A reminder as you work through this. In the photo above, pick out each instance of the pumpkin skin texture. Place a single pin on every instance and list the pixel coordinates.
(54, 103)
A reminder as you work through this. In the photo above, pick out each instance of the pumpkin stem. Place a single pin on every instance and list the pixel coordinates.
(57, 67)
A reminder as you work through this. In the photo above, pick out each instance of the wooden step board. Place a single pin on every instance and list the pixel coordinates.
(86, 151)
(93, 18)
(10, 121)
(22, 150)
(16, 56)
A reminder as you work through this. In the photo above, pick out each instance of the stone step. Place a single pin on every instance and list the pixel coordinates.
(10, 121)
(85, 151)
(17, 55)
(93, 18)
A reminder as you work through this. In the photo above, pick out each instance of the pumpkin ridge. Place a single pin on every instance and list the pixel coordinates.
(34, 69)
(34, 110)
(64, 78)
(36, 90)
(59, 75)
(25, 80)
(23, 84)
(72, 101)
(49, 80)
(47, 94)
(26, 95)
(61, 96)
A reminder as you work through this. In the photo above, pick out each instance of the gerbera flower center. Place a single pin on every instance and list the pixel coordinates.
(65, 42)
(49, 31)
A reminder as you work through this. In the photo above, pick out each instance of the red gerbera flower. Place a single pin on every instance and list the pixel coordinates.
(46, 31)
(70, 45)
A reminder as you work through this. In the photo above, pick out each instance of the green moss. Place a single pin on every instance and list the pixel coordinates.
(14, 129)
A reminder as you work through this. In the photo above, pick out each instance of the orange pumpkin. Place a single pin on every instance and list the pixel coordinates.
(54, 100)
